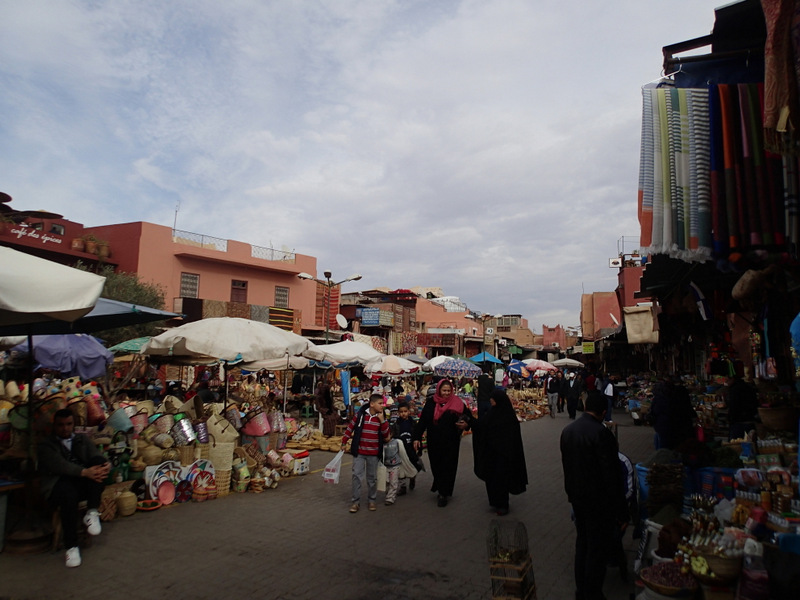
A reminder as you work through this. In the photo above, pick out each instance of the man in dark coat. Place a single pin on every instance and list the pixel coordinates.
(595, 488)
(73, 469)
(499, 455)
(572, 390)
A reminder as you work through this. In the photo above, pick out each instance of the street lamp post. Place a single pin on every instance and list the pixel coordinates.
(328, 286)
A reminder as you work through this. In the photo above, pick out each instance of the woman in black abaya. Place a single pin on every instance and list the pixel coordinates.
(499, 455)
(444, 418)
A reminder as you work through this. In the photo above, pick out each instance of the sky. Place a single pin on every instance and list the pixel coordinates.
(487, 147)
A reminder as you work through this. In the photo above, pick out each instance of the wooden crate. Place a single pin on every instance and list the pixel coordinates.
(512, 580)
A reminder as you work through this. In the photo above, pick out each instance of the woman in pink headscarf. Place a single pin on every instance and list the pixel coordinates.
(444, 417)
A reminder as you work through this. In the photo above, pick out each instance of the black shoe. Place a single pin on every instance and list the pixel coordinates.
(502, 512)
(412, 484)
(442, 501)
(402, 492)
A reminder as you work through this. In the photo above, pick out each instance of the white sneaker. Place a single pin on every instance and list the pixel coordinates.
(92, 522)
(73, 557)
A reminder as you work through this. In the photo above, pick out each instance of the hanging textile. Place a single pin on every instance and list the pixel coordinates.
(674, 188)
(708, 185)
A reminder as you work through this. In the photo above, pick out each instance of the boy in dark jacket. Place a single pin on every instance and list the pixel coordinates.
(368, 430)
(405, 432)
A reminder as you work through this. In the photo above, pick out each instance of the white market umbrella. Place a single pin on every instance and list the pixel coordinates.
(230, 339)
(435, 362)
(277, 364)
(392, 365)
(567, 362)
(347, 351)
(33, 289)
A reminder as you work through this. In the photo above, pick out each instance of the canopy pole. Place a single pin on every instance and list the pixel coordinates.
(31, 437)
(285, 387)
(224, 369)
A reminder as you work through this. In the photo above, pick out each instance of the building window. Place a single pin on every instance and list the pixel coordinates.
(281, 297)
(190, 285)
(238, 291)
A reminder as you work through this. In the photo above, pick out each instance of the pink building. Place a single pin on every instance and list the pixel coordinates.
(202, 276)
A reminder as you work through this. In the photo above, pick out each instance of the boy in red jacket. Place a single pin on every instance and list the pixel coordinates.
(368, 430)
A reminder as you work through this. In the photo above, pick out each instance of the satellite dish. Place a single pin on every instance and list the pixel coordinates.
(341, 321)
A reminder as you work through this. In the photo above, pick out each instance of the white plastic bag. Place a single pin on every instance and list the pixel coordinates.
(331, 472)
(382, 475)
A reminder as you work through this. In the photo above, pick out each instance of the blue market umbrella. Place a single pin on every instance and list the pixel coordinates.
(518, 367)
(106, 314)
(457, 368)
(71, 354)
(485, 357)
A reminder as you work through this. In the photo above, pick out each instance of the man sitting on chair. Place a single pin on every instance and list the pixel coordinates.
(73, 469)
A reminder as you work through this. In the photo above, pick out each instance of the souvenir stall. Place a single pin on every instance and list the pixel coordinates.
(727, 529)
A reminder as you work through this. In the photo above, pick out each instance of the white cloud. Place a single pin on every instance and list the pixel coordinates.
(489, 147)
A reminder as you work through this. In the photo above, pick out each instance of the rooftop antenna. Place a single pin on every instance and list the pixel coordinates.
(175, 221)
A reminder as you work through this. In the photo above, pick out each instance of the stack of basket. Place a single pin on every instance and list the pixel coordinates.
(221, 456)
(331, 444)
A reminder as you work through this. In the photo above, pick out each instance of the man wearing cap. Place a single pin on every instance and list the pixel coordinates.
(73, 469)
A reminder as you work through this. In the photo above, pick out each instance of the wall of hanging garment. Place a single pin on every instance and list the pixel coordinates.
(707, 185)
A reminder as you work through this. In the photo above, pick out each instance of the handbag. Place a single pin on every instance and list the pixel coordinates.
(330, 474)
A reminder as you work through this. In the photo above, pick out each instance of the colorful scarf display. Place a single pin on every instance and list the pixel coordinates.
(708, 185)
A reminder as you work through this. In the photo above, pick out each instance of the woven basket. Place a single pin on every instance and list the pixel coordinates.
(223, 481)
(240, 452)
(108, 506)
(221, 455)
(204, 450)
(187, 454)
(726, 570)
(170, 454)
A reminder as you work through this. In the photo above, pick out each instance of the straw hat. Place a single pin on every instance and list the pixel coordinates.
(90, 387)
(13, 392)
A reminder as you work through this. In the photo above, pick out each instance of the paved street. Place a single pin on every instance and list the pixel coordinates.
(300, 542)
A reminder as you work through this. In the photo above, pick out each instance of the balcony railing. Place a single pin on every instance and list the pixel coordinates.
(271, 254)
(199, 240)
(208, 242)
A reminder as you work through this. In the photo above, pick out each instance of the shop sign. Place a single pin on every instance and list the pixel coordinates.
(34, 234)
(588, 348)
(370, 317)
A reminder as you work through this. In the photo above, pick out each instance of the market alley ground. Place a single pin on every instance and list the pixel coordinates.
(300, 542)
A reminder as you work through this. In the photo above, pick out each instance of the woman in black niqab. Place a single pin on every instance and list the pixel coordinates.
(499, 455)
